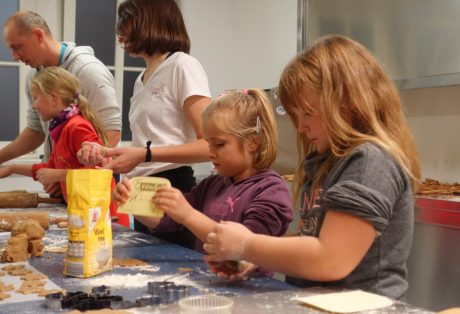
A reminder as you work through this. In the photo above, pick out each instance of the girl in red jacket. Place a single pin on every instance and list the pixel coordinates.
(71, 122)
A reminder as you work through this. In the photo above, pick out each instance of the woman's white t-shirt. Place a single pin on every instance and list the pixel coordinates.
(156, 113)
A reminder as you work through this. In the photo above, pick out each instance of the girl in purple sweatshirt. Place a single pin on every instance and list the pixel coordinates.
(241, 131)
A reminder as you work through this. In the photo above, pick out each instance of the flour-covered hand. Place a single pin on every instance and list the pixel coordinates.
(228, 241)
(91, 154)
(232, 270)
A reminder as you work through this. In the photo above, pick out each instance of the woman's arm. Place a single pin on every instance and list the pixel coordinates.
(125, 159)
(341, 245)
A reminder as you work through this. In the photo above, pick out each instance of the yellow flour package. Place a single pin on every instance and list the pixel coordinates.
(89, 250)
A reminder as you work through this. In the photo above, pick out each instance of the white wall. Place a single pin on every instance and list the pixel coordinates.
(242, 43)
(246, 43)
(434, 117)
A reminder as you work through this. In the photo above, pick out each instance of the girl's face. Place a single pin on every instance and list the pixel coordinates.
(311, 124)
(229, 157)
(46, 106)
(122, 43)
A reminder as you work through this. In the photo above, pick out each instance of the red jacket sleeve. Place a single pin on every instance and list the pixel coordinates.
(35, 168)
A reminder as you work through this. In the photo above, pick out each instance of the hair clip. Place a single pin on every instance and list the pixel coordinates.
(225, 92)
(76, 95)
(258, 125)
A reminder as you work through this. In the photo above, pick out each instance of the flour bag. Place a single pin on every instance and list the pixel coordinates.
(89, 249)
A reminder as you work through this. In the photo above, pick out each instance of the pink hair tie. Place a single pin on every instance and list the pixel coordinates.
(244, 91)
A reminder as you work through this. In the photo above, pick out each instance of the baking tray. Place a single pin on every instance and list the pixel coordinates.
(16, 281)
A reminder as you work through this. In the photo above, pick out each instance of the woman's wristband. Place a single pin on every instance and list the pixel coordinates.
(148, 153)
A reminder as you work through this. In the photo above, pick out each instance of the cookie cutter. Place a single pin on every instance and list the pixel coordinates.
(101, 290)
(148, 300)
(158, 287)
(53, 300)
(100, 298)
(174, 293)
(73, 298)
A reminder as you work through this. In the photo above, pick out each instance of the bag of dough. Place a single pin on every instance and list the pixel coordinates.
(89, 249)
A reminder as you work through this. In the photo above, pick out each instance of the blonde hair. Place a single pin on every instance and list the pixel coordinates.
(55, 80)
(359, 103)
(247, 115)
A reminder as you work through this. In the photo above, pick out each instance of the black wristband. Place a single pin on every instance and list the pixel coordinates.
(148, 153)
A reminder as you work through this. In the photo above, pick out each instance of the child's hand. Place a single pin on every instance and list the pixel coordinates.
(5, 171)
(228, 241)
(173, 203)
(54, 190)
(232, 270)
(47, 176)
(122, 191)
(123, 159)
(92, 154)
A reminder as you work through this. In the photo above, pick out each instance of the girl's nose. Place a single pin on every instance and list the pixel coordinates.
(302, 127)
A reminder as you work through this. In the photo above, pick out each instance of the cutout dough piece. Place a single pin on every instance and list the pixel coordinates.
(4, 288)
(128, 262)
(30, 290)
(4, 296)
(29, 284)
(13, 267)
(347, 302)
(19, 272)
(32, 277)
(46, 292)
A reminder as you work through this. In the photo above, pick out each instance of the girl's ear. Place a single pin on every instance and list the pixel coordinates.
(56, 99)
(253, 145)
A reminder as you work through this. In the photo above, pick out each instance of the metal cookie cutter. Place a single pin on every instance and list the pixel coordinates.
(148, 300)
(174, 293)
(101, 290)
(53, 300)
(158, 287)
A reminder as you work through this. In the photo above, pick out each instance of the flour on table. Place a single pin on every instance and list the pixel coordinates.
(136, 281)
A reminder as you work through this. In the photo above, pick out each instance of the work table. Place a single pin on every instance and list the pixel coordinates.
(256, 295)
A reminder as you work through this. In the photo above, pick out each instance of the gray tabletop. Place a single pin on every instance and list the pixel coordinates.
(256, 295)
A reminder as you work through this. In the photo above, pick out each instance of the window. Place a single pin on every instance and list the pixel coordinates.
(9, 82)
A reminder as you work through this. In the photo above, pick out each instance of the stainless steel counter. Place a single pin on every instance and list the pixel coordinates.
(434, 262)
